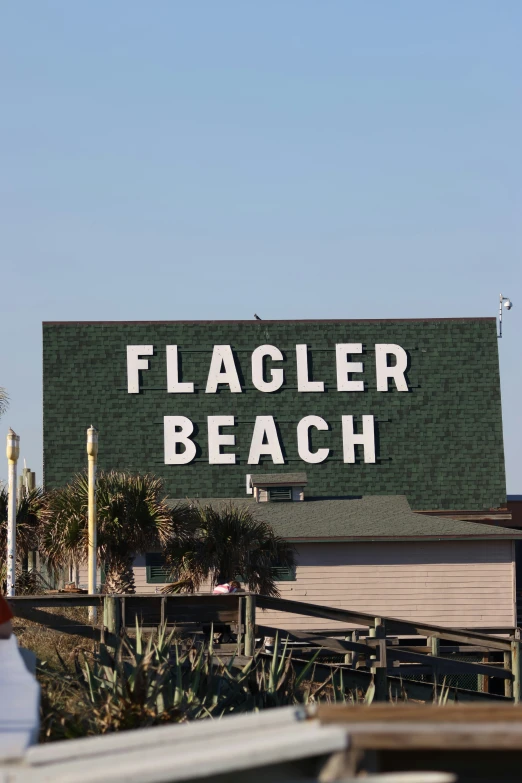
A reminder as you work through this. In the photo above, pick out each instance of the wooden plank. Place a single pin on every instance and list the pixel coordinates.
(448, 666)
(250, 623)
(57, 622)
(321, 642)
(392, 714)
(393, 625)
(53, 601)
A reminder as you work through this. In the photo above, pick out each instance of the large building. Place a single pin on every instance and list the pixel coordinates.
(375, 446)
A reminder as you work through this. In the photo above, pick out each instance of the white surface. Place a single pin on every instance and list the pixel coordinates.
(345, 368)
(19, 702)
(174, 385)
(303, 439)
(382, 351)
(135, 364)
(366, 438)
(183, 752)
(304, 384)
(216, 439)
(265, 442)
(276, 375)
(223, 370)
(178, 429)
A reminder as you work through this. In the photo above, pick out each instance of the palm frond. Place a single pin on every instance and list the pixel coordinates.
(4, 400)
(226, 543)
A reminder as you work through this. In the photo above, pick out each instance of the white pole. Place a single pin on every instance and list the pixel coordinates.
(92, 453)
(13, 452)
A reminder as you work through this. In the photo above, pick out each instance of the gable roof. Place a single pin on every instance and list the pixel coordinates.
(368, 518)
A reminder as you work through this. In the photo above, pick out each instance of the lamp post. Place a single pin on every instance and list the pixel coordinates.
(13, 452)
(92, 453)
(508, 304)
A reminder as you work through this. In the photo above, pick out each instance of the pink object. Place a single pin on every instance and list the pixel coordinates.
(226, 588)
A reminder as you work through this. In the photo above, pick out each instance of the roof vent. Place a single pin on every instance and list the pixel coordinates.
(278, 486)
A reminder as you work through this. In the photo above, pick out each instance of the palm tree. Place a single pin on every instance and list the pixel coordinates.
(28, 511)
(133, 518)
(225, 544)
(4, 400)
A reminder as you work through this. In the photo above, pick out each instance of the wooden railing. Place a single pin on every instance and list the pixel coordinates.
(381, 648)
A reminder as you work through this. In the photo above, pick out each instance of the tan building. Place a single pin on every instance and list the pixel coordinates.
(374, 554)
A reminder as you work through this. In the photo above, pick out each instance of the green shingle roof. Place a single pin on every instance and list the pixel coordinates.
(372, 517)
(278, 479)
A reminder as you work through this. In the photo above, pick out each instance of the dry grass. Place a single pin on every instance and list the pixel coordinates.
(49, 645)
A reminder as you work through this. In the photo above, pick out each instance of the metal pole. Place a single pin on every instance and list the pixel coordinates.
(13, 452)
(500, 317)
(92, 453)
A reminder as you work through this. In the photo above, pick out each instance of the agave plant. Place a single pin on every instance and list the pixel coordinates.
(133, 518)
(227, 543)
(159, 680)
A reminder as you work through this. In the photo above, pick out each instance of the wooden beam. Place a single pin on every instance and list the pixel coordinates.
(516, 665)
(394, 626)
(250, 624)
(57, 622)
(53, 601)
(321, 642)
(446, 665)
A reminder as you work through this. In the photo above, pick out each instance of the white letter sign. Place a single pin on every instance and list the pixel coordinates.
(222, 357)
(265, 428)
(304, 384)
(135, 364)
(303, 439)
(178, 429)
(382, 351)
(174, 385)
(216, 440)
(257, 368)
(351, 439)
(344, 367)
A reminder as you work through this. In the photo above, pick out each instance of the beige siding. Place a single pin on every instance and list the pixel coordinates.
(467, 584)
(455, 583)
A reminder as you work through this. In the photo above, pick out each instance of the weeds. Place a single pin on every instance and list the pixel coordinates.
(147, 682)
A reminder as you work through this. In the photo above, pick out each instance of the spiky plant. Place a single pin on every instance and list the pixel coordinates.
(226, 543)
(133, 518)
(29, 505)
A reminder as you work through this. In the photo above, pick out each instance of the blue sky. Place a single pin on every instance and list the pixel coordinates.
(298, 159)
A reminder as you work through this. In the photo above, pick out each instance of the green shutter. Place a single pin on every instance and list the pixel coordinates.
(284, 573)
(157, 570)
(280, 493)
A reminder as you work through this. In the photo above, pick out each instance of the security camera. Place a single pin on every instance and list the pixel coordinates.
(508, 304)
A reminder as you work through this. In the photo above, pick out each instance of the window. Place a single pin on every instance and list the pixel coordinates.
(284, 573)
(157, 570)
(280, 493)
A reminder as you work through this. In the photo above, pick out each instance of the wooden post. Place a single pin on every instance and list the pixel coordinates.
(379, 670)
(515, 668)
(239, 625)
(508, 685)
(250, 624)
(162, 613)
(434, 643)
(112, 615)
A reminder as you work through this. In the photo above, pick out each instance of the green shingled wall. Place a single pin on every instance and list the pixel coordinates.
(440, 444)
